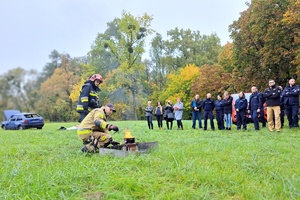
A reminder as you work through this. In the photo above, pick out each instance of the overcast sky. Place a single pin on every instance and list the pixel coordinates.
(30, 30)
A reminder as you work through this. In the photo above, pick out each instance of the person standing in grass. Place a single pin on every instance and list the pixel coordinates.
(94, 129)
(169, 115)
(159, 112)
(149, 110)
(272, 95)
(178, 107)
(208, 107)
(227, 103)
(255, 106)
(290, 96)
(220, 112)
(196, 105)
(240, 107)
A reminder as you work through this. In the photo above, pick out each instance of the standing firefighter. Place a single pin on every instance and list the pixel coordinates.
(88, 98)
(93, 130)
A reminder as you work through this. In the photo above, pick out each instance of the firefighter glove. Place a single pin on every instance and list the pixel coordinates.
(86, 112)
(113, 127)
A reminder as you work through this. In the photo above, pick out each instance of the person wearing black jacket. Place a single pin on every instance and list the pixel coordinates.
(240, 107)
(88, 98)
(255, 106)
(196, 105)
(208, 107)
(290, 96)
(159, 112)
(169, 114)
(220, 112)
(227, 103)
(272, 95)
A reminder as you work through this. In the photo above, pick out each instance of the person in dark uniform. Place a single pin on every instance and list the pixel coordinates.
(240, 107)
(290, 96)
(255, 106)
(88, 98)
(220, 112)
(196, 105)
(208, 107)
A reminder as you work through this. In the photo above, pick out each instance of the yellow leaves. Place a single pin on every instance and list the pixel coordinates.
(75, 92)
(292, 15)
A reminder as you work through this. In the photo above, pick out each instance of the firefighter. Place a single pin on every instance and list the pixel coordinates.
(88, 98)
(94, 129)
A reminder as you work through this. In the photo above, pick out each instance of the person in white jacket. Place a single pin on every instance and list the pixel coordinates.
(178, 107)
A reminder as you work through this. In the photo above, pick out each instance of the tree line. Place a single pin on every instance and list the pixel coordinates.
(265, 44)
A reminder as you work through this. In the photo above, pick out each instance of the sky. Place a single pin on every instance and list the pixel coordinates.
(30, 30)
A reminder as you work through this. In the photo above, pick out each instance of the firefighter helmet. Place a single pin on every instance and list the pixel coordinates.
(96, 77)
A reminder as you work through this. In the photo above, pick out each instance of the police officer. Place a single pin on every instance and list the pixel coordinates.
(290, 96)
(255, 106)
(88, 98)
(208, 107)
(272, 95)
(240, 107)
(196, 105)
(93, 130)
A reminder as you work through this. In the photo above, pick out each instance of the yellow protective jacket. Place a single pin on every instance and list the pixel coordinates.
(88, 98)
(88, 124)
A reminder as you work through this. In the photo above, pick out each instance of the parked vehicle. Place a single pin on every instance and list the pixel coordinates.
(20, 121)
(248, 116)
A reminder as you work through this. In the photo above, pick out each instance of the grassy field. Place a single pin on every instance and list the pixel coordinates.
(189, 164)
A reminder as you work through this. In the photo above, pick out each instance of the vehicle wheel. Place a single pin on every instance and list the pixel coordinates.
(39, 127)
(20, 127)
(3, 127)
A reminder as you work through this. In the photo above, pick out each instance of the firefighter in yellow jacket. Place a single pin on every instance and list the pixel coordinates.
(94, 129)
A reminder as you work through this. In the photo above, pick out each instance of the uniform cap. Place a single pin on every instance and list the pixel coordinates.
(111, 106)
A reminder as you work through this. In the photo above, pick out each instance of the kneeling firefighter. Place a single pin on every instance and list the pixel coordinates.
(88, 98)
(94, 129)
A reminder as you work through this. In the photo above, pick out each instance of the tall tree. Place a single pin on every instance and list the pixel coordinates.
(179, 85)
(55, 103)
(50, 67)
(157, 71)
(190, 47)
(127, 47)
(291, 22)
(103, 60)
(262, 43)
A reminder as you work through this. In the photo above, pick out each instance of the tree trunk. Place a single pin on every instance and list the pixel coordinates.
(134, 104)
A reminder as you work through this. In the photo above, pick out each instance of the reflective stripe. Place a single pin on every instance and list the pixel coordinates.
(93, 94)
(79, 107)
(84, 99)
(103, 125)
(83, 131)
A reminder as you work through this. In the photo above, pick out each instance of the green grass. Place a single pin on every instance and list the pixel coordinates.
(189, 164)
